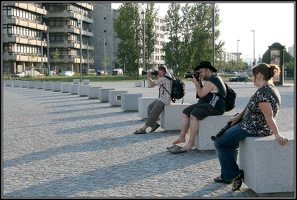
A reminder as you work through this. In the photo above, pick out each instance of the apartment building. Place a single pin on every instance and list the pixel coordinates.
(23, 41)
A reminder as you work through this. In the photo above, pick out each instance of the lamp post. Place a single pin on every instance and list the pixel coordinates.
(213, 39)
(237, 56)
(81, 56)
(254, 60)
(104, 52)
(143, 42)
(48, 58)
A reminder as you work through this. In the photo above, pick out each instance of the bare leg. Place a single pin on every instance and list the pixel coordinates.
(184, 129)
(194, 124)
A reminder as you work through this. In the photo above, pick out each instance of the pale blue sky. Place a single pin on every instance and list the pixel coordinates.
(272, 22)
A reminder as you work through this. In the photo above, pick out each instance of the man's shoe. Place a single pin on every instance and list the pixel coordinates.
(155, 127)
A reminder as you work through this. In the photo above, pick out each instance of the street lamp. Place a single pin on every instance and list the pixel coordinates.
(81, 56)
(104, 52)
(213, 39)
(254, 60)
(143, 42)
(237, 56)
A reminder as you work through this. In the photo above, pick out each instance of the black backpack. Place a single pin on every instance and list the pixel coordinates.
(178, 89)
(230, 98)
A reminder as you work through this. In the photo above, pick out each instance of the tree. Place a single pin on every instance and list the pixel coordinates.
(128, 29)
(56, 57)
(105, 62)
(90, 59)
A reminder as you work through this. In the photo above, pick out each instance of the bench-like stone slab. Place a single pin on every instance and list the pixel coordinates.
(103, 94)
(171, 117)
(75, 81)
(74, 88)
(208, 127)
(40, 85)
(268, 166)
(8, 83)
(16, 83)
(83, 90)
(129, 101)
(138, 84)
(93, 92)
(143, 103)
(57, 86)
(86, 81)
(32, 84)
(48, 85)
(115, 97)
(25, 84)
(65, 87)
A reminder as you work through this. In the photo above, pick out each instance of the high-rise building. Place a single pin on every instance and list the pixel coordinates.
(291, 50)
(23, 37)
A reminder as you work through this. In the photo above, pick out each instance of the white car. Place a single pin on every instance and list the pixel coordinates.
(67, 73)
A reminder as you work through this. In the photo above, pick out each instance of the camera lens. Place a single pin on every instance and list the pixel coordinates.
(144, 72)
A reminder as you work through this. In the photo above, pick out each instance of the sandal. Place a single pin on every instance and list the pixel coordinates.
(237, 181)
(155, 127)
(140, 131)
(220, 180)
(172, 147)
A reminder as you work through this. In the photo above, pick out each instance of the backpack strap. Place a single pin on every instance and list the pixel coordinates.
(173, 100)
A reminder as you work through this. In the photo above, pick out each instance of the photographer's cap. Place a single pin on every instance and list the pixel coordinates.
(205, 64)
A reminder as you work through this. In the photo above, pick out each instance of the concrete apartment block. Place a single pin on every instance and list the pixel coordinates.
(130, 101)
(171, 117)
(143, 103)
(57, 86)
(86, 82)
(103, 95)
(16, 83)
(25, 84)
(40, 85)
(8, 82)
(48, 85)
(93, 92)
(83, 90)
(268, 166)
(115, 97)
(74, 88)
(32, 84)
(75, 81)
(65, 87)
(208, 127)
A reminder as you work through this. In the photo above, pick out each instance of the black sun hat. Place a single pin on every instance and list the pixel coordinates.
(205, 64)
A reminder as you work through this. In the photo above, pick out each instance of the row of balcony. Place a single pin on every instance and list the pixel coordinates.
(86, 5)
(23, 40)
(69, 14)
(28, 6)
(71, 44)
(70, 29)
(23, 22)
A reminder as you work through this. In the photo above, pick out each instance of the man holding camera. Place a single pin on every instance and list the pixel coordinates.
(211, 102)
(157, 106)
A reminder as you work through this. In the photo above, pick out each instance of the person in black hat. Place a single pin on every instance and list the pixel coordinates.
(211, 102)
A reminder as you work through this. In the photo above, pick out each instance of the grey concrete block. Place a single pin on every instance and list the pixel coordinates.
(93, 92)
(75, 81)
(65, 87)
(16, 83)
(86, 81)
(143, 103)
(138, 84)
(268, 166)
(57, 86)
(40, 85)
(74, 88)
(208, 127)
(25, 84)
(130, 101)
(115, 97)
(103, 95)
(8, 83)
(48, 85)
(83, 90)
(171, 117)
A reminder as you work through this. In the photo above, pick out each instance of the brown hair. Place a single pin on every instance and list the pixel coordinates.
(163, 68)
(268, 70)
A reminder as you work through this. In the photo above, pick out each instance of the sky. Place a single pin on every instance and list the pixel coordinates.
(272, 22)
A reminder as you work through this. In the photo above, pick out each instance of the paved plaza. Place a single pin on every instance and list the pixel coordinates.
(60, 145)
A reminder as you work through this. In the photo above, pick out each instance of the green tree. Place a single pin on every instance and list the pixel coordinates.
(105, 62)
(91, 59)
(128, 29)
(56, 57)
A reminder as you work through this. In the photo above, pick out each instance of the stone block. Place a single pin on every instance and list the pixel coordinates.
(86, 82)
(103, 94)
(208, 127)
(74, 88)
(171, 117)
(32, 84)
(25, 84)
(8, 83)
(93, 92)
(129, 101)
(83, 90)
(48, 85)
(57, 86)
(115, 97)
(143, 103)
(40, 85)
(65, 87)
(138, 84)
(75, 81)
(268, 166)
(17, 83)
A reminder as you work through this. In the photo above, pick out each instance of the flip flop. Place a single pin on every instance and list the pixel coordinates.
(176, 150)
(173, 146)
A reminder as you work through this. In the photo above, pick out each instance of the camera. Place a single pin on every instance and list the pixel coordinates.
(152, 73)
(189, 75)
(221, 132)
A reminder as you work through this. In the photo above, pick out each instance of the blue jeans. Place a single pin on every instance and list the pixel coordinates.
(227, 150)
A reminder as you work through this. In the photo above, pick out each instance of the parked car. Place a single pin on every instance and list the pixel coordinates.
(117, 71)
(67, 73)
(18, 74)
(239, 78)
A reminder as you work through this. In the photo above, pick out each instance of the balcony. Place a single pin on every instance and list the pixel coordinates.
(24, 22)
(69, 14)
(86, 5)
(70, 29)
(28, 6)
(23, 40)
(23, 57)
